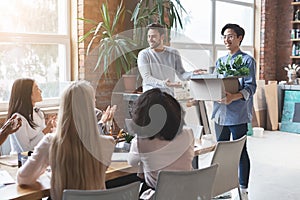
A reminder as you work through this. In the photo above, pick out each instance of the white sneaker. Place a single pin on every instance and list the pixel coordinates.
(244, 193)
(226, 195)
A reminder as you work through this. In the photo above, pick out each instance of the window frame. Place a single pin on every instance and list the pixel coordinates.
(62, 39)
(214, 47)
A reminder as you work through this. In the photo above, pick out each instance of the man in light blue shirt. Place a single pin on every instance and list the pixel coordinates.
(234, 112)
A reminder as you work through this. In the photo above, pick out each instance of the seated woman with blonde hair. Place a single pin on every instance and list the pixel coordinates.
(79, 155)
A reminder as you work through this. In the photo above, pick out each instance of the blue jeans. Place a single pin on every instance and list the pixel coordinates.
(238, 131)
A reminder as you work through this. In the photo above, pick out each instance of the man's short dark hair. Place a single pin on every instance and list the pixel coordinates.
(156, 26)
(236, 28)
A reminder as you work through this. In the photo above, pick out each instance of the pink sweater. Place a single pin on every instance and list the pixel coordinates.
(155, 155)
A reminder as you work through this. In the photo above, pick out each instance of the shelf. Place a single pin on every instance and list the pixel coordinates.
(295, 22)
(295, 40)
(295, 57)
(295, 3)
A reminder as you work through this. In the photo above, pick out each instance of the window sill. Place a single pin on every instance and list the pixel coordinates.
(46, 110)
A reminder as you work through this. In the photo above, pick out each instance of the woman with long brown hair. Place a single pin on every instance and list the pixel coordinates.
(25, 93)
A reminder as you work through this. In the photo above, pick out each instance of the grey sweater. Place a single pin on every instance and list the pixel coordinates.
(156, 67)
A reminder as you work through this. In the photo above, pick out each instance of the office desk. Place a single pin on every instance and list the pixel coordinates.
(42, 187)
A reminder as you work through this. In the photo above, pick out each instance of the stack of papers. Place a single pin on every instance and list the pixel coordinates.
(5, 178)
(11, 161)
(119, 157)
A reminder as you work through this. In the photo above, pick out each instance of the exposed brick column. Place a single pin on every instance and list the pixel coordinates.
(275, 44)
(268, 60)
(89, 9)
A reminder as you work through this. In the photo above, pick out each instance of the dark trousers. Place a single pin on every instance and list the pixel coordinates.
(237, 131)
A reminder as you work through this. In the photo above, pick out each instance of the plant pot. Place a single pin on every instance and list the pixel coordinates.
(130, 82)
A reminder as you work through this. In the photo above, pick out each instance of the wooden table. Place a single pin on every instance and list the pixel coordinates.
(41, 188)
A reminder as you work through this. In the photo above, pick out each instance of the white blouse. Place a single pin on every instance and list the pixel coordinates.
(26, 138)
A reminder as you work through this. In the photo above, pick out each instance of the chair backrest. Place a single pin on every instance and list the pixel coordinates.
(127, 192)
(178, 185)
(227, 154)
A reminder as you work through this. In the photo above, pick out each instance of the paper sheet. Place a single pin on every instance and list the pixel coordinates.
(5, 178)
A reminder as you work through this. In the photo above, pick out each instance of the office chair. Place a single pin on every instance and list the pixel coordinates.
(127, 192)
(178, 185)
(227, 154)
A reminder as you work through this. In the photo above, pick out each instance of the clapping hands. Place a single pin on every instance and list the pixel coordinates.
(12, 125)
(51, 124)
(108, 114)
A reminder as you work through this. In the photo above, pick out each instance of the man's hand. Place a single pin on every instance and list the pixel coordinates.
(200, 71)
(229, 98)
(173, 84)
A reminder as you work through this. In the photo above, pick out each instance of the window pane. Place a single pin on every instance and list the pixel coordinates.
(43, 62)
(195, 58)
(241, 15)
(197, 24)
(33, 16)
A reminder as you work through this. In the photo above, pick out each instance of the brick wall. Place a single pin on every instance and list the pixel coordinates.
(89, 9)
(284, 46)
(104, 85)
(275, 38)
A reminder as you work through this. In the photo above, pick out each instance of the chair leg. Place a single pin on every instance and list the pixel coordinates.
(195, 162)
(240, 194)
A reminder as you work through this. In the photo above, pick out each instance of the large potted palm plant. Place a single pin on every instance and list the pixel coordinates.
(114, 50)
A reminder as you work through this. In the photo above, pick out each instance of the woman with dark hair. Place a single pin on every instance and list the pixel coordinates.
(162, 142)
(24, 94)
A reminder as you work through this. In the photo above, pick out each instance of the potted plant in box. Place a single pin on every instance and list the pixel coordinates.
(237, 68)
(127, 137)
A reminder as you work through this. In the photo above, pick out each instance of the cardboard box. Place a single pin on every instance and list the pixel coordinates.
(212, 87)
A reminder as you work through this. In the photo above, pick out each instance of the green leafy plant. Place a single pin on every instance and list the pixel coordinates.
(112, 47)
(237, 68)
(128, 137)
(166, 12)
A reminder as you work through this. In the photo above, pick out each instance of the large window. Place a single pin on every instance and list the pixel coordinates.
(35, 43)
(200, 41)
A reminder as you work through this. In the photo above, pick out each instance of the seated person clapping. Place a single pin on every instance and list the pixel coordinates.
(162, 142)
(77, 153)
(25, 94)
(105, 118)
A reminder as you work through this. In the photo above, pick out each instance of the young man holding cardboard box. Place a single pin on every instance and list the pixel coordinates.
(234, 112)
